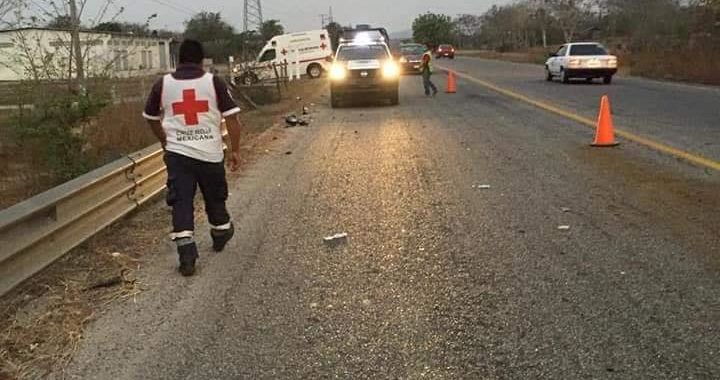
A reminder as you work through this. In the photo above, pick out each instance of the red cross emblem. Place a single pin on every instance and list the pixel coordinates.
(284, 51)
(323, 46)
(190, 107)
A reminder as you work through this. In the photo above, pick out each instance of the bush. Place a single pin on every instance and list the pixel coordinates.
(53, 129)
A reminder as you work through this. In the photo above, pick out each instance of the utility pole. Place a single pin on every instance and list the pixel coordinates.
(322, 22)
(76, 50)
(330, 16)
(253, 16)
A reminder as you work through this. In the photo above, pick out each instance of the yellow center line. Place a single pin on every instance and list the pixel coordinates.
(652, 144)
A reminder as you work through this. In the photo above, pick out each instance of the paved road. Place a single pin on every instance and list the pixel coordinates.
(440, 278)
(684, 116)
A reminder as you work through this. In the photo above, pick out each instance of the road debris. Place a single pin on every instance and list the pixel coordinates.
(482, 187)
(563, 228)
(112, 281)
(291, 121)
(565, 209)
(336, 239)
(288, 153)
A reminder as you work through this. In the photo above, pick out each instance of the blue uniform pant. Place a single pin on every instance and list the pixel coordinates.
(185, 175)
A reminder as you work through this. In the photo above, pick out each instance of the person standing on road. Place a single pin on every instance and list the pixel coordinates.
(185, 111)
(427, 69)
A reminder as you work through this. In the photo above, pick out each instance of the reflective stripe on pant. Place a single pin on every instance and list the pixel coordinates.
(185, 174)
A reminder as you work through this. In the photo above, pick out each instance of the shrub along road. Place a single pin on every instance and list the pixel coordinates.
(442, 276)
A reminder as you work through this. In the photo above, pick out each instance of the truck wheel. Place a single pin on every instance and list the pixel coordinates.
(314, 71)
(248, 79)
(548, 74)
(607, 79)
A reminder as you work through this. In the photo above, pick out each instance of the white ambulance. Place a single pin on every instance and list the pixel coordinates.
(308, 53)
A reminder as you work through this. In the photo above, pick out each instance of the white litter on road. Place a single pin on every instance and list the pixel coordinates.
(336, 237)
(563, 228)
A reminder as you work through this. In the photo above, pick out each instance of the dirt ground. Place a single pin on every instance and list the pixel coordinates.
(42, 320)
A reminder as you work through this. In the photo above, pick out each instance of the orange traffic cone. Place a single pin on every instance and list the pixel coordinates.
(451, 83)
(605, 135)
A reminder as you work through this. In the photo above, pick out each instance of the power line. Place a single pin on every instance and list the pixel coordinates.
(184, 10)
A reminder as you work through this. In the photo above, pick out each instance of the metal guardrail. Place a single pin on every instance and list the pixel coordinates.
(40, 230)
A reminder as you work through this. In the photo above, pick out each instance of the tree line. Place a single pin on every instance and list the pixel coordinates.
(633, 24)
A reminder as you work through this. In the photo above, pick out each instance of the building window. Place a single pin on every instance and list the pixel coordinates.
(143, 54)
(150, 59)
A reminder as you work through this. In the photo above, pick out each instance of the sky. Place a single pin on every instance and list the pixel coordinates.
(295, 15)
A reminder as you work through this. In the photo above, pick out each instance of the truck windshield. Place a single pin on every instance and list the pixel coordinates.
(362, 52)
(268, 55)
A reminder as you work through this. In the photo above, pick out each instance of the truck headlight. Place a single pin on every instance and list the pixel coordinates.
(391, 70)
(612, 63)
(337, 72)
(403, 60)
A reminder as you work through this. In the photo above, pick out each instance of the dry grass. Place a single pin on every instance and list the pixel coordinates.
(42, 320)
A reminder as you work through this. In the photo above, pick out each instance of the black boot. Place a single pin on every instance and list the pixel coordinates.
(221, 237)
(188, 254)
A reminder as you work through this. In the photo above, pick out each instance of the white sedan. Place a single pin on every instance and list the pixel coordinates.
(587, 60)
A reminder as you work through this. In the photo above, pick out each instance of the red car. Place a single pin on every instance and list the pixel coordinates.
(447, 51)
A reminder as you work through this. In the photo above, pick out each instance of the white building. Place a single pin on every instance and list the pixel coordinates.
(41, 53)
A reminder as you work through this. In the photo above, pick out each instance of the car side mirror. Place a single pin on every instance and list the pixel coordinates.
(551, 55)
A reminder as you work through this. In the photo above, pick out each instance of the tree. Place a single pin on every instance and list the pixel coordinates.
(249, 44)
(569, 15)
(335, 31)
(270, 29)
(433, 28)
(467, 26)
(217, 36)
(61, 22)
(110, 26)
(7, 6)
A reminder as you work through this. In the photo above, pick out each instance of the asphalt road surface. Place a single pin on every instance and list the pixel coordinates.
(442, 277)
(684, 116)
